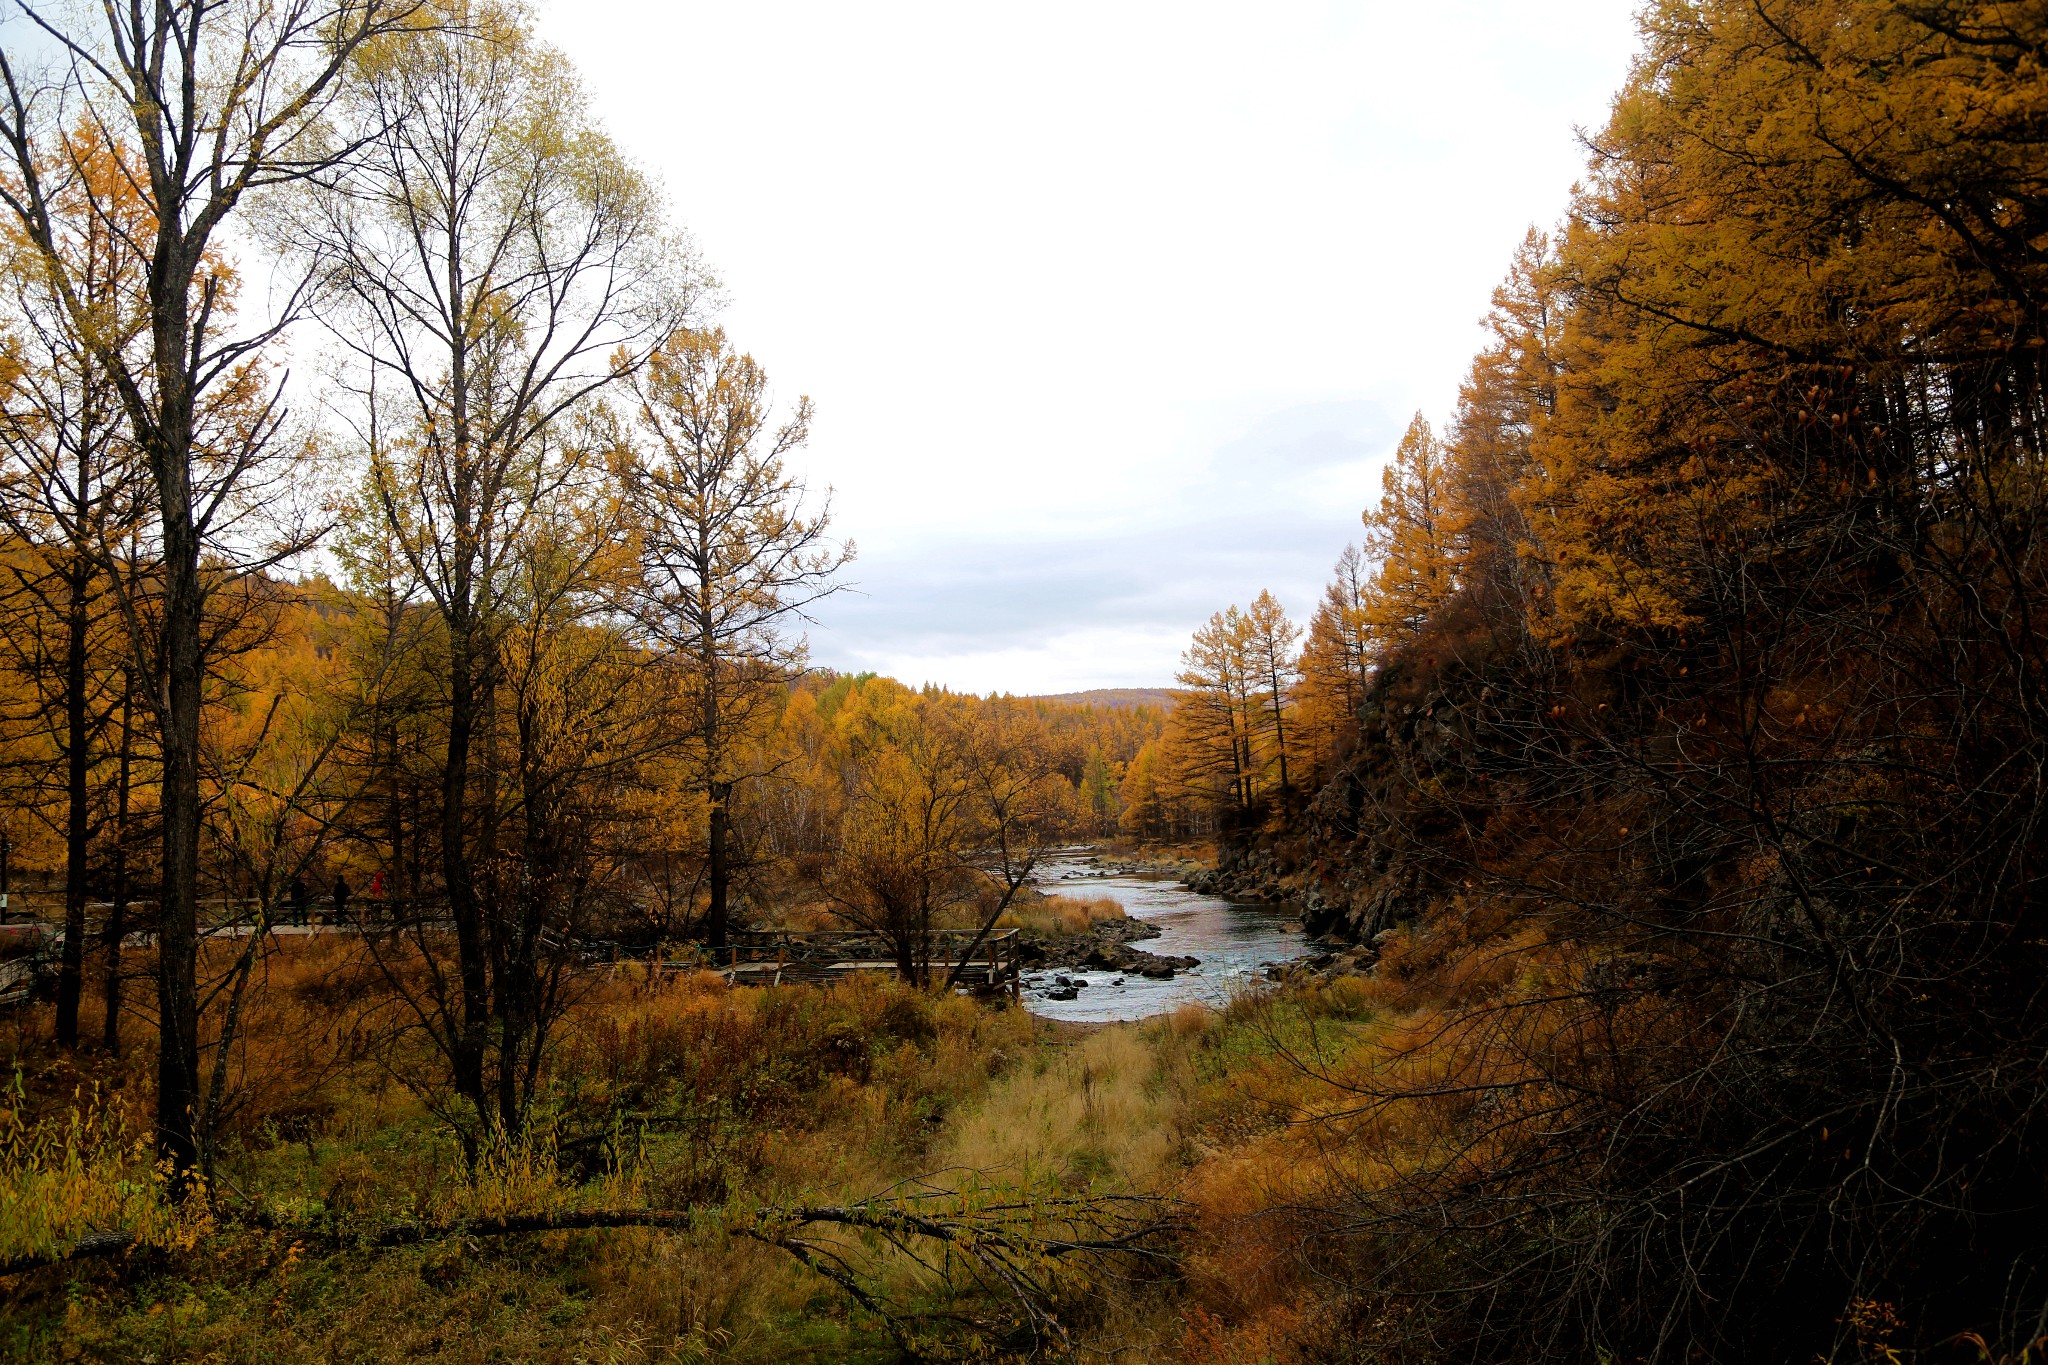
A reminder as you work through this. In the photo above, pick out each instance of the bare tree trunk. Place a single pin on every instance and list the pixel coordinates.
(1240, 758)
(458, 874)
(904, 940)
(394, 820)
(179, 704)
(1279, 732)
(711, 730)
(1012, 884)
(117, 914)
(519, 993)
(720, 872)
(71, 968)
(230, 1029)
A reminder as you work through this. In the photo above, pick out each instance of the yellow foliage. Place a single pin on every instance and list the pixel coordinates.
(79, 1172)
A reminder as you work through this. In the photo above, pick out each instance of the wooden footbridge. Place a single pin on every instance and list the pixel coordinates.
(981, 962)
(987, 963)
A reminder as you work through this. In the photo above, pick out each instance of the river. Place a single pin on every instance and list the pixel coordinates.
(1235, 941)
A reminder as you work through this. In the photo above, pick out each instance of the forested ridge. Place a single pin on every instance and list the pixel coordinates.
(1694, 803)
(397, 760)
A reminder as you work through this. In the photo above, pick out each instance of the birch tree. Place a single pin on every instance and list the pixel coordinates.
(494, 264)
(219, 100)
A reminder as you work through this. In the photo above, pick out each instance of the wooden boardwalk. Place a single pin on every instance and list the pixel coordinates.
(990, 962)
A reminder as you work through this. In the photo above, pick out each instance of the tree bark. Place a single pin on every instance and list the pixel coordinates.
(181, 694)
(467, 1063)
(117, 913)
(719, 872)
(178, 907)
(71, 967)
(1279, 730)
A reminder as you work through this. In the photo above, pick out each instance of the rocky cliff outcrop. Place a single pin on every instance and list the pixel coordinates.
(1354, 857)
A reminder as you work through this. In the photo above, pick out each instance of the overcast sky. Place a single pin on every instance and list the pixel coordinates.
(1111, 311)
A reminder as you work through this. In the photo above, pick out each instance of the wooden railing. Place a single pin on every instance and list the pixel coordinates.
(964, 957)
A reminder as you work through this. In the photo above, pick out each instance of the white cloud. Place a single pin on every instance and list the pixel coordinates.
(1109, 309)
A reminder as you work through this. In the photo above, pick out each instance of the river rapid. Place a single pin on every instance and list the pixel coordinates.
(1235, 940)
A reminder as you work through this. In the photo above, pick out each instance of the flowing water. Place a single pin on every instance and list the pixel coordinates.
(1235, 940)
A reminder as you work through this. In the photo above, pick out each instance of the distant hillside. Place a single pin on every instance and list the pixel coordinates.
(1115, 697)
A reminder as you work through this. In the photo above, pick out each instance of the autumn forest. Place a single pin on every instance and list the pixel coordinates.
(447, 913)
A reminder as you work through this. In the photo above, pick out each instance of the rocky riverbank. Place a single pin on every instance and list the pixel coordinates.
(1356, 960)
(1178, 863)
(1349, 888)
(1244, 873)
(1105, 947)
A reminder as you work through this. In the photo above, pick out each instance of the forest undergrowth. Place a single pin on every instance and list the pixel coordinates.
(1254, 1143)
(668, 1092)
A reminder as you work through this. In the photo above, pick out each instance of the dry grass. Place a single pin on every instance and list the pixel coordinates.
(1090, 1118)
(665, 1089)
(1061, 914)
(1161, 853)
(728, 1100)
